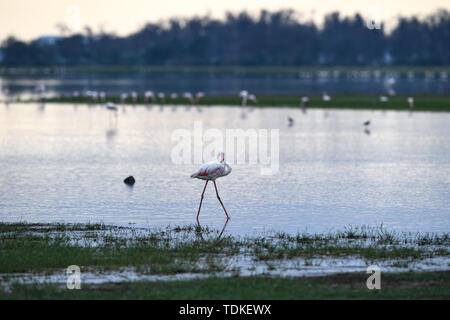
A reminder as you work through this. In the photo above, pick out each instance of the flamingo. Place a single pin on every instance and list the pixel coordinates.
(123, 97)
(173, 96)
(290, 121)
(134, 96)
(252, 98)
(5, 92)
(384, 99)
(303, 103)
(211, 171)
(326, 97)
(149, 95)
(161, 96)
(94, 95)
(411, 102)
(244, 96)
(41, 91)
(188, 95)
(198, 96)
(111, 106)
(102, 95)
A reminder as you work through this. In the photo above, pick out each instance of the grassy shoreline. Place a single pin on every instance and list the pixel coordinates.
(47, 249)
(435, 103)
(409, 285)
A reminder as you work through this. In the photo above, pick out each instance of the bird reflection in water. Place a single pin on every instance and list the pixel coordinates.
(111, 131)
(41, 107)
(200, 231)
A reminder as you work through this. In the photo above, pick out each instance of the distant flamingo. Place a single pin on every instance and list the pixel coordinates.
(245, 96)
(384, 99)
(148, 95)
(211, 171)
(134, 96)
(188, 95)
(161, 96)
(41, 91)
(102, 95)
(326, 97)
(290, 121)
(411, 102)
(94, 95)
(111, 106)
(303, 102)
(200, 95)
(123, 97)
(252, 98)
(173, 96)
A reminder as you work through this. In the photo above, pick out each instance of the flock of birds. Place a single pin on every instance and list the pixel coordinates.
(193, 99)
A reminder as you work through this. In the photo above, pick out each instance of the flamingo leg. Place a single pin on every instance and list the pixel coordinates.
(201, 199)
(217, 193)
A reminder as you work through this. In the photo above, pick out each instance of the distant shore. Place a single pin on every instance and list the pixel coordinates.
(424, 102)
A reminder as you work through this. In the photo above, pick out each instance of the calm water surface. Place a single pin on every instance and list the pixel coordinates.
(66, 163)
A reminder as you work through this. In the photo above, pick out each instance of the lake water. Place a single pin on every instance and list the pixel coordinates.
(66, 163)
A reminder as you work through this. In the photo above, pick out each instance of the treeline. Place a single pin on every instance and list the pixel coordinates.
(272, 38)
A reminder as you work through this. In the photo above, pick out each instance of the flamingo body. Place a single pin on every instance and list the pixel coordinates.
(211, 171)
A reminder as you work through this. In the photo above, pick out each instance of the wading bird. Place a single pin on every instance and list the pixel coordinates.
(111, 106)
(161, 96)
(134, 96)
(149, 95)
(384, 99)
(211, 171)
(411, 102)
(290, 121)
(326, 97)
(188, 95)
(303, 102)
(244, 96)
(200, 95)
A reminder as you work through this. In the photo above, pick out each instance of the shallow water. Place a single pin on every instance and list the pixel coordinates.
(67, 163)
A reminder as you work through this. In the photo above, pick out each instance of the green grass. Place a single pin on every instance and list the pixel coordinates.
(49, 248)
(431, 285)
(43, 247)
(339, 101)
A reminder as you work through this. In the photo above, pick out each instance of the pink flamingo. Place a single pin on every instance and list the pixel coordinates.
(211, 171)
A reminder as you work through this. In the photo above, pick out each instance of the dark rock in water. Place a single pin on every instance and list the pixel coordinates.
(130, 180)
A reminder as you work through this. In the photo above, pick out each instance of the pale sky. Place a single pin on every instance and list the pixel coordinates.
(27, 19)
